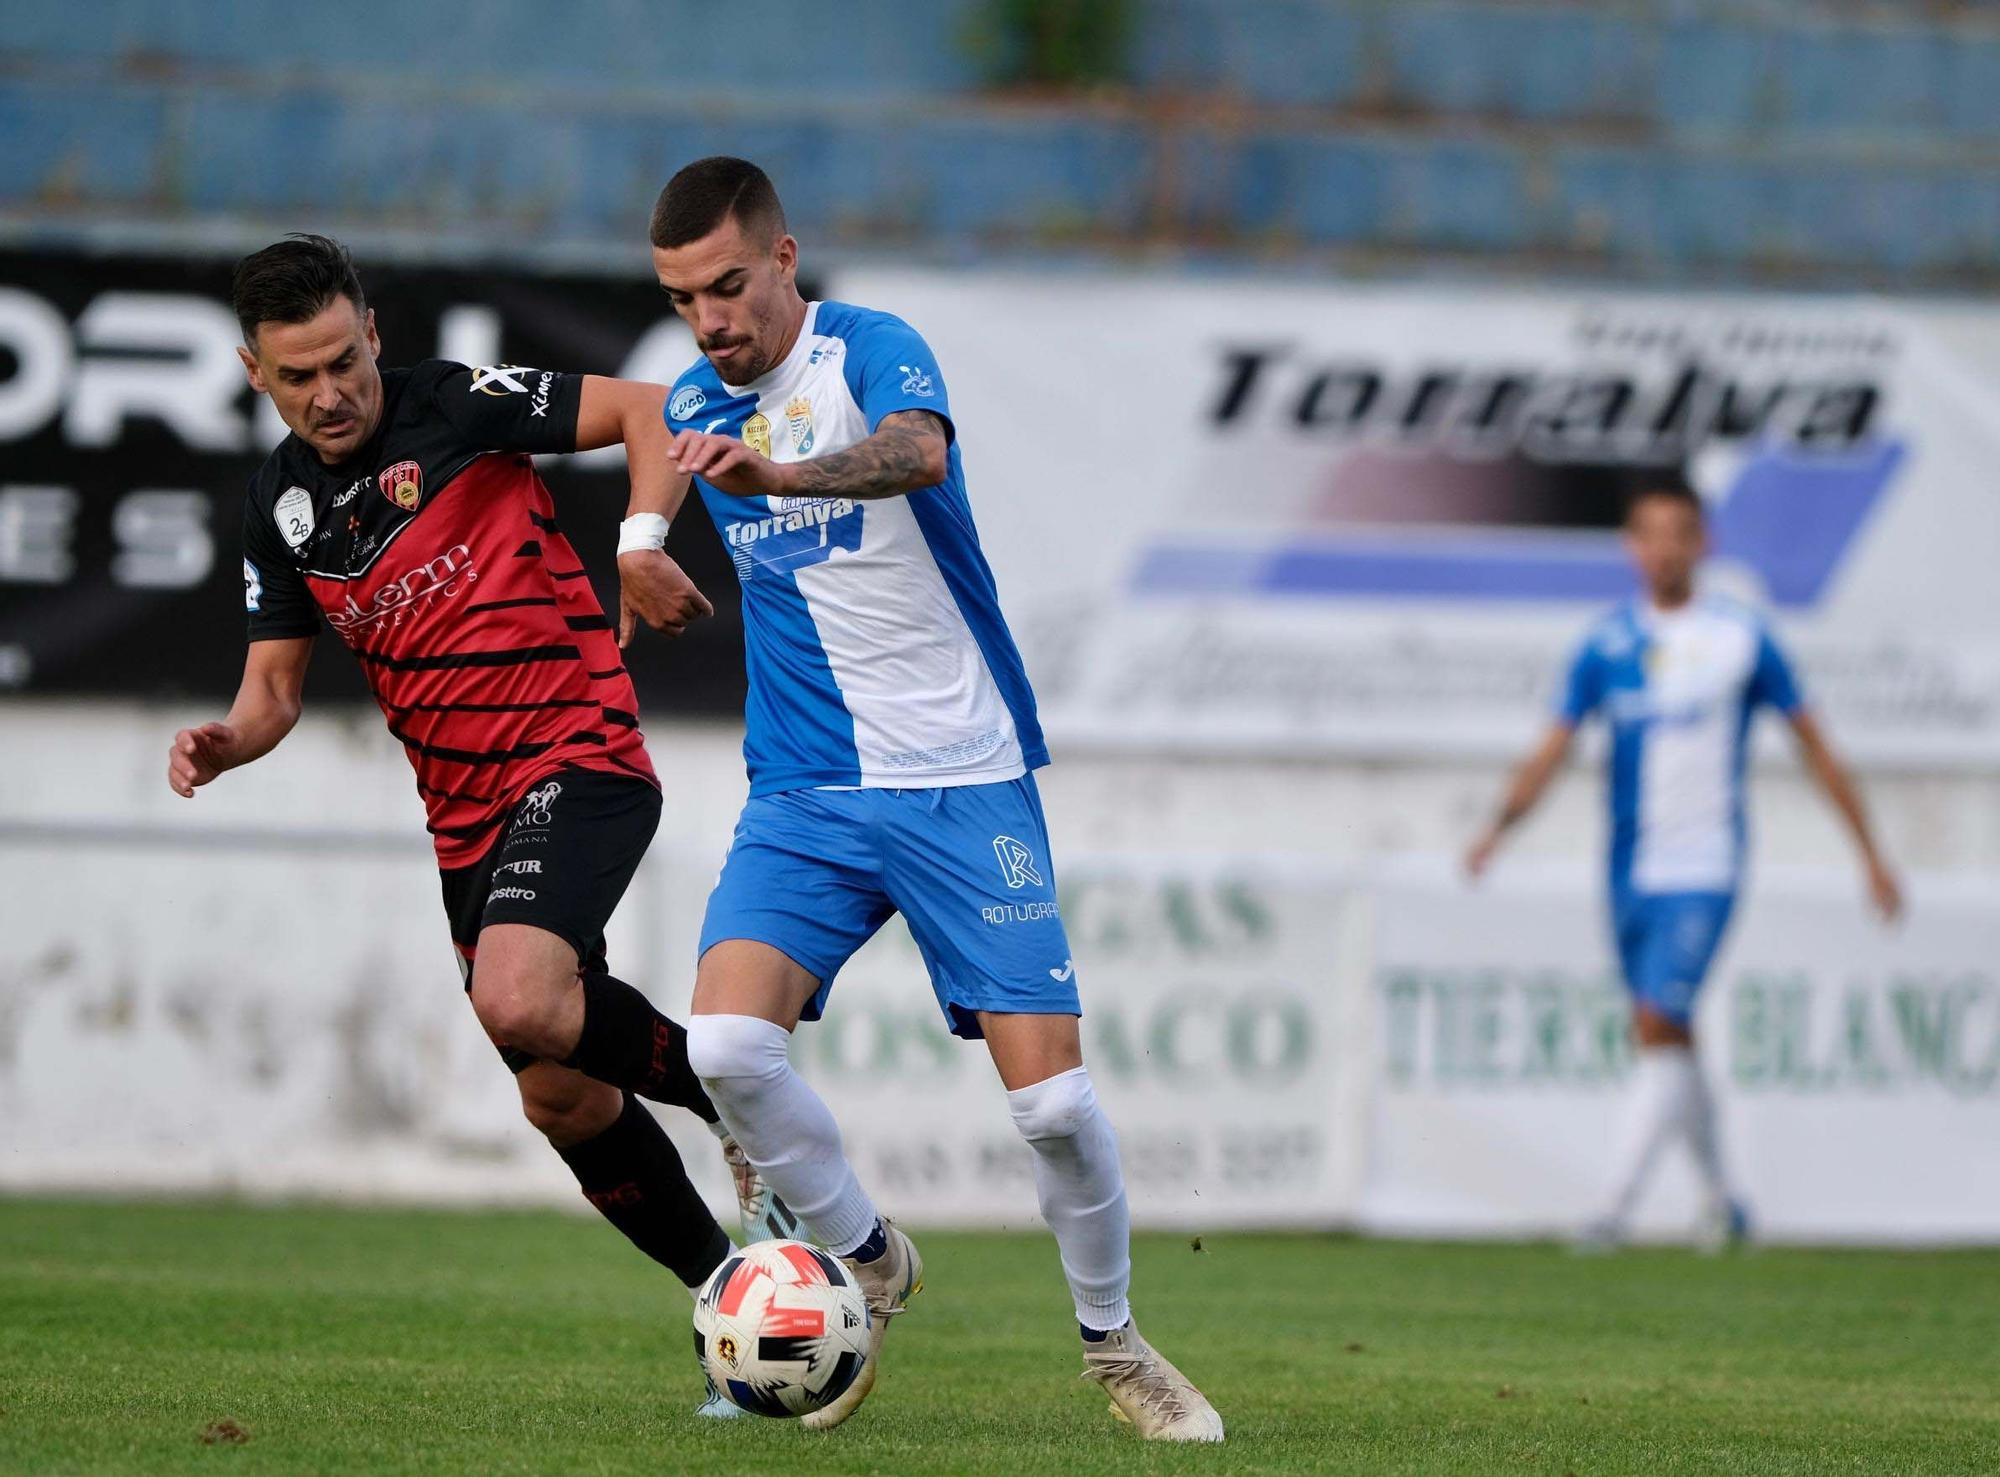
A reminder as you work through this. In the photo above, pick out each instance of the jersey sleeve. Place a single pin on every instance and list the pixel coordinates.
(1773, 680)
(1582, 687)
(504, 407)
(274, 591)
(890, 368)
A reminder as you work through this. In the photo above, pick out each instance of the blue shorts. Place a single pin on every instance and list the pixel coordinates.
(1666, 941)
(813, 873)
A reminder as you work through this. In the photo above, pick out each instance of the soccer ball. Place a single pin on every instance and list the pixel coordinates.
(781, 1327)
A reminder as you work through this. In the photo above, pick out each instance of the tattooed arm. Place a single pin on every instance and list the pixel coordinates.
(908, 451)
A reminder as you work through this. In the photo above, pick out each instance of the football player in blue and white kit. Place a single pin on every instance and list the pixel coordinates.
(1678, 676)
(891, 742)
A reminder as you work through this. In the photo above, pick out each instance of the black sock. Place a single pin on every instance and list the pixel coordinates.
(631, 1045)
(634, 1177)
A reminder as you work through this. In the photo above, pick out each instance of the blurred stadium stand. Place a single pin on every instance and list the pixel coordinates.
(1737, 142)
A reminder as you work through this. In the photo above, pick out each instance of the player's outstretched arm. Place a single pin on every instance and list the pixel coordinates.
(266, 709)
(651, 587)
(1524, 790)
(1834, 778)
(908, 452)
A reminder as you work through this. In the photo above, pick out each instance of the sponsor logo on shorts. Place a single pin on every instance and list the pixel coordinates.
(1019, 912)
(1017, 863)
(524, 894)
(537, 804)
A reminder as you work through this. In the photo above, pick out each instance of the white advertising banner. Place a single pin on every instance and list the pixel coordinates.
(285, 1018)
(1278, 1044)
(1319, 519)
(1857, 1068)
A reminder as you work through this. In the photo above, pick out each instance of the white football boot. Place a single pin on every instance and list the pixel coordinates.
(765, 1217)
(716, 1406)
(1147, 1392)
(888, 1283)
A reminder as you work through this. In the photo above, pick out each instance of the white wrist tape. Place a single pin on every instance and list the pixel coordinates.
(642, 531)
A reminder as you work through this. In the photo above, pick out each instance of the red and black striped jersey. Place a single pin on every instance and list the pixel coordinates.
(435, 555)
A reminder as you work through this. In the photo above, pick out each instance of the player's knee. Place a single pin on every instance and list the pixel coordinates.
(517, 1015)
(570, 1109)
(723, 1048)
(1056, 1108)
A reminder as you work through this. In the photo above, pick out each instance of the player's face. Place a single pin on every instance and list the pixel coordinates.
(738, 295)
(321, 375)
(1667, 541)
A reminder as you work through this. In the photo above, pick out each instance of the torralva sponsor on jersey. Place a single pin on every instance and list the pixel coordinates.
(401, 599)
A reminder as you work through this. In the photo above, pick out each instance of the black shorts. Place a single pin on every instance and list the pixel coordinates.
(561, 863)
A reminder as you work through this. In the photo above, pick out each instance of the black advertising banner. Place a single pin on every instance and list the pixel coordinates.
(128, 434)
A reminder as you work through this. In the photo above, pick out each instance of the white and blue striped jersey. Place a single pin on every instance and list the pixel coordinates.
(1678, 689)
(872, 633)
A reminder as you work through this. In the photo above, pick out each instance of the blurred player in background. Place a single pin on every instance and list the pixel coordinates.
(404, 511)
(1678, 676)
(891, 736)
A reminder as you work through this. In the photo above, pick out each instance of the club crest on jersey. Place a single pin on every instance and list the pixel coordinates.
(687, 402)
(403, 485)
(799, 416)
(757, 434)
(294, 513)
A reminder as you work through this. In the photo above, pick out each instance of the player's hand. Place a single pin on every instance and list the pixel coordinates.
(725, 462)
(654, 589)
(1884, 890)
(1479, 855)
(198, 755)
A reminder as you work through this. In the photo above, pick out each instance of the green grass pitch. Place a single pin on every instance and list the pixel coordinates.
(322, 1340)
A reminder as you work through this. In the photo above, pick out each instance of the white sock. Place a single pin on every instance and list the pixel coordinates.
(781, 1124)
(1082, 1191)
(1654, 1115)
(1699, 1117)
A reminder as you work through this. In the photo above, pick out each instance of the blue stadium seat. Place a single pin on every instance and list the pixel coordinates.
(1693, 138)
(99, 144)
(1854, 79)
(1513, 62)
(1283, 52)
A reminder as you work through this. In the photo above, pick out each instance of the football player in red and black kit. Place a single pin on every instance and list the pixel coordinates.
(404, 511)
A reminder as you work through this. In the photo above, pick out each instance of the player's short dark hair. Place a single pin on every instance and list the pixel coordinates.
(292, 281)
(1671, 486)
(710, 191)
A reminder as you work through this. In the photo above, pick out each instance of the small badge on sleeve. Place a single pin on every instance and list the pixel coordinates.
(294, 513)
